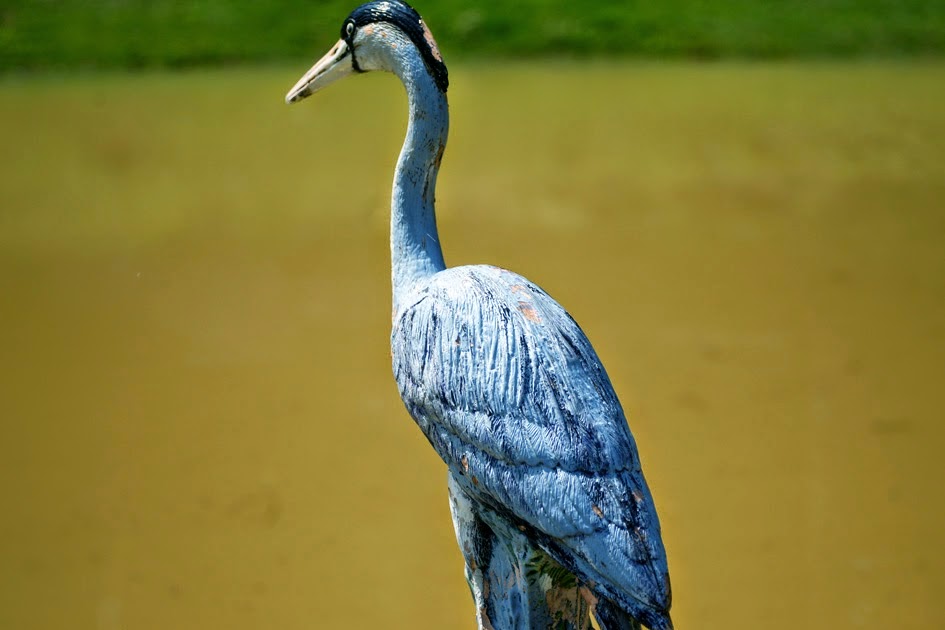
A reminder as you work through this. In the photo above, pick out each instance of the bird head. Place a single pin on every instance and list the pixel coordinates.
(376, 36)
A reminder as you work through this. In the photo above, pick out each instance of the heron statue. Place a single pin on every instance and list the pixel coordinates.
(551, 510)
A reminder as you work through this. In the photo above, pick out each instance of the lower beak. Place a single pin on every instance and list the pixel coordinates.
(333, 66)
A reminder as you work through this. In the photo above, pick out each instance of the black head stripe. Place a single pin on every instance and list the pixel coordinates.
(354, 58)
(404, 17)
(354, 62)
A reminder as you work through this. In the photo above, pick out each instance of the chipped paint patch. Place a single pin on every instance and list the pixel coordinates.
(597, 511)
(427, 35)
(465, 462)
(588, 596)
(484, 621)
(529, 312)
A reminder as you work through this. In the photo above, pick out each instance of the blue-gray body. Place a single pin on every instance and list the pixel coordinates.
(510, 393)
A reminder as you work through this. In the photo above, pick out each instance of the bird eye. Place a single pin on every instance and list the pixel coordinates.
(349, 29)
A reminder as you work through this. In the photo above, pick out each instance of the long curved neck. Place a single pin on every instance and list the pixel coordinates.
(414, 243)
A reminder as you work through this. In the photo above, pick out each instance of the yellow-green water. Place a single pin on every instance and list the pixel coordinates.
(199, 425)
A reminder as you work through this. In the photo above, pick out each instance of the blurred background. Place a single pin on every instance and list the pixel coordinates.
(743, 204)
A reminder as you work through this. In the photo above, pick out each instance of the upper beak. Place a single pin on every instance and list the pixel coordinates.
(333, 66)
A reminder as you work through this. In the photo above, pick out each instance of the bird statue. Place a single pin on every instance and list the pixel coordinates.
(546, 490)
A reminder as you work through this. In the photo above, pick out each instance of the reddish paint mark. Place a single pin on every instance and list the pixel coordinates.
(427, 35)
(588, 596)
(486, 624)
(529, 312)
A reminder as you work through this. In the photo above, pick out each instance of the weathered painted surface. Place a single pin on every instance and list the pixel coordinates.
(511, 395)
(549, 502)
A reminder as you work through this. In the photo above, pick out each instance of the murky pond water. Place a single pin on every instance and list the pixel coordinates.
(199, 425)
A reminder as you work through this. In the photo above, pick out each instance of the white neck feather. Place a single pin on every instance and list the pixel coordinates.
(414, 243)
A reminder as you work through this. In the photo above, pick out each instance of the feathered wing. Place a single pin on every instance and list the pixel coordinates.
(510, 393)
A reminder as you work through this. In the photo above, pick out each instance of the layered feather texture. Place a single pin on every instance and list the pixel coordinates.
(510, 393)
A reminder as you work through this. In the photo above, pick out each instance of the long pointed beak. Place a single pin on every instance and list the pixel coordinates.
(333, 66)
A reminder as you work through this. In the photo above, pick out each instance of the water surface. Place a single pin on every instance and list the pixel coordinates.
(199, 424)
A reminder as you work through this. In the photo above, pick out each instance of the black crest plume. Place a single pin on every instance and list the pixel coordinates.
(404, 17)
